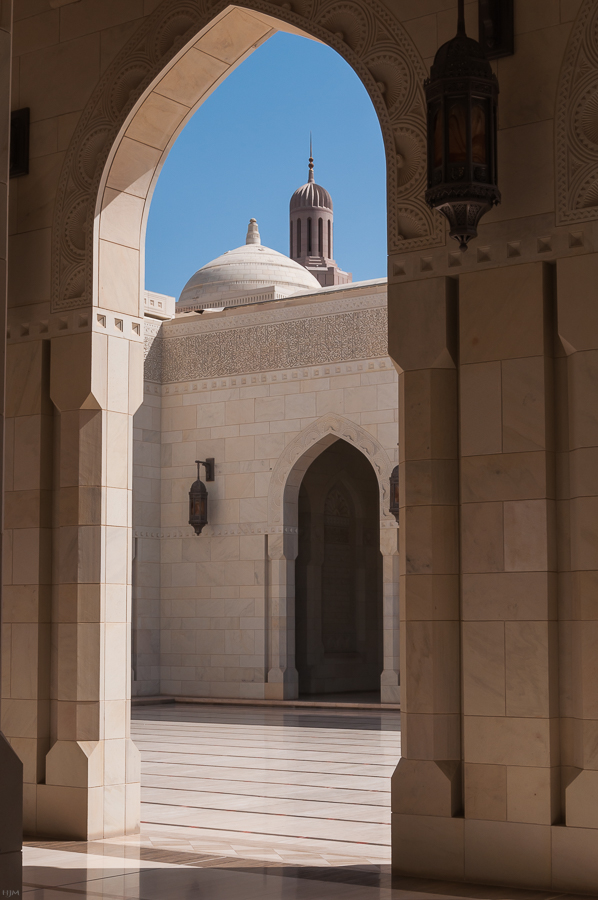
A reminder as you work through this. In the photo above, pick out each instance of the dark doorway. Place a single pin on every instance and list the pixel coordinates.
(338, 609)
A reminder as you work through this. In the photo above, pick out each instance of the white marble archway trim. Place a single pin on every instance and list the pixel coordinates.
(307, 446)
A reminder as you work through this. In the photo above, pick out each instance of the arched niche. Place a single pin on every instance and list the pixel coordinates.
(339, 576)
(283, 517)
(181, 53)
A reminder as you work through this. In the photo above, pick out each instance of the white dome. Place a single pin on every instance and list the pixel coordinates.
(242, 275)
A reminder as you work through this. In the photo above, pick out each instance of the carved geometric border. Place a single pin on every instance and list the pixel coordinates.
(576, 134)
(364, 32)
(283, 484)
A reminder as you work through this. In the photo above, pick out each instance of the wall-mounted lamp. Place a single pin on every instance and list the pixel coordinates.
(394, 493)
(462, 99)
(198, 496)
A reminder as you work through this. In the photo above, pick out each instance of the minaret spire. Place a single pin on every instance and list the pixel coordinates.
(461, 25)
(311, 160)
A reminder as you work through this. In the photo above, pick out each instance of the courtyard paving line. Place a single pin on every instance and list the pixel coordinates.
(288, 824)
(266, 789)
(281, 742)
(288, 754)
(341, 811)
(282, 776)
(280, 764)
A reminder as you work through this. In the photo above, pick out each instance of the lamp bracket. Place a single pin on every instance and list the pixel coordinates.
(209, 467)
(497, 27)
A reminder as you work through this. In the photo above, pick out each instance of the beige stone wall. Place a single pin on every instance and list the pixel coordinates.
(214, 602)
(503, 540)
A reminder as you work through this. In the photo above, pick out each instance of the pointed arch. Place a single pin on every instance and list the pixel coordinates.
(303, 450)
(173, 62)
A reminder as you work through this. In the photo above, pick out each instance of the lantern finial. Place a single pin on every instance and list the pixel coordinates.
(461, 26)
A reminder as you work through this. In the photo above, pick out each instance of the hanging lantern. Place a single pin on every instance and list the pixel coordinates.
(462, 100)
(198, 497)
(394, 493)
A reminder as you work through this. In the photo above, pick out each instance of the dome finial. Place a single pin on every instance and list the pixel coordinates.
(311, 160)
(253, 233)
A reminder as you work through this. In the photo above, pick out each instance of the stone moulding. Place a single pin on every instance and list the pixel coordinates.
(275, 376)
(577, 122)
(338, 428)
(366, 34)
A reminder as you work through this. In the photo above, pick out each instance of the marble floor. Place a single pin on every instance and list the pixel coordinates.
(251, 804)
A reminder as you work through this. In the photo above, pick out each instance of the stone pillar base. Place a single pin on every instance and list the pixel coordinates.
(549, 857)
(84, 814)
(11, 821)
(11, 874)
(281, 691)
(90, 807)
(390, 693)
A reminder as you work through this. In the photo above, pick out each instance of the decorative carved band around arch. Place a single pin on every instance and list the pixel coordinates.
(364, 32)
(577, 122)
(314, 438)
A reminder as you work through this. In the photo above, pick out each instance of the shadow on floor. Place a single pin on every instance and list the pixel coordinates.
(206, 877)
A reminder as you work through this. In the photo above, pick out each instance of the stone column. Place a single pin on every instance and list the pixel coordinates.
(283, 681)
(508, 564)
(426, 786)
(27, 571)
(578, 544)
(92, 769)
(11, 767)
(390, 691)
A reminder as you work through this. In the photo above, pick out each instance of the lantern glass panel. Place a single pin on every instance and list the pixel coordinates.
(479, 132)
(457, 125)
(438, 137)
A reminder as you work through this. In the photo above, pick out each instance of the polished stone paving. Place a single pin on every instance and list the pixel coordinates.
(242, 803)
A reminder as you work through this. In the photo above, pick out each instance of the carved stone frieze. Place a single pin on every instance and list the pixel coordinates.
(309, 341)
(577, 122)
(152, 336)
(364, 32)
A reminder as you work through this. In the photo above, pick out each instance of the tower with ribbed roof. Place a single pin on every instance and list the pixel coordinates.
(312, 231)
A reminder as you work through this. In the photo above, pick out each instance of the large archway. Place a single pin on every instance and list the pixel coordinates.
(178, 56)
(156, 84)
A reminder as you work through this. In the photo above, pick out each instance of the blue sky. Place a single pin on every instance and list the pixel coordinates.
(246, 150)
